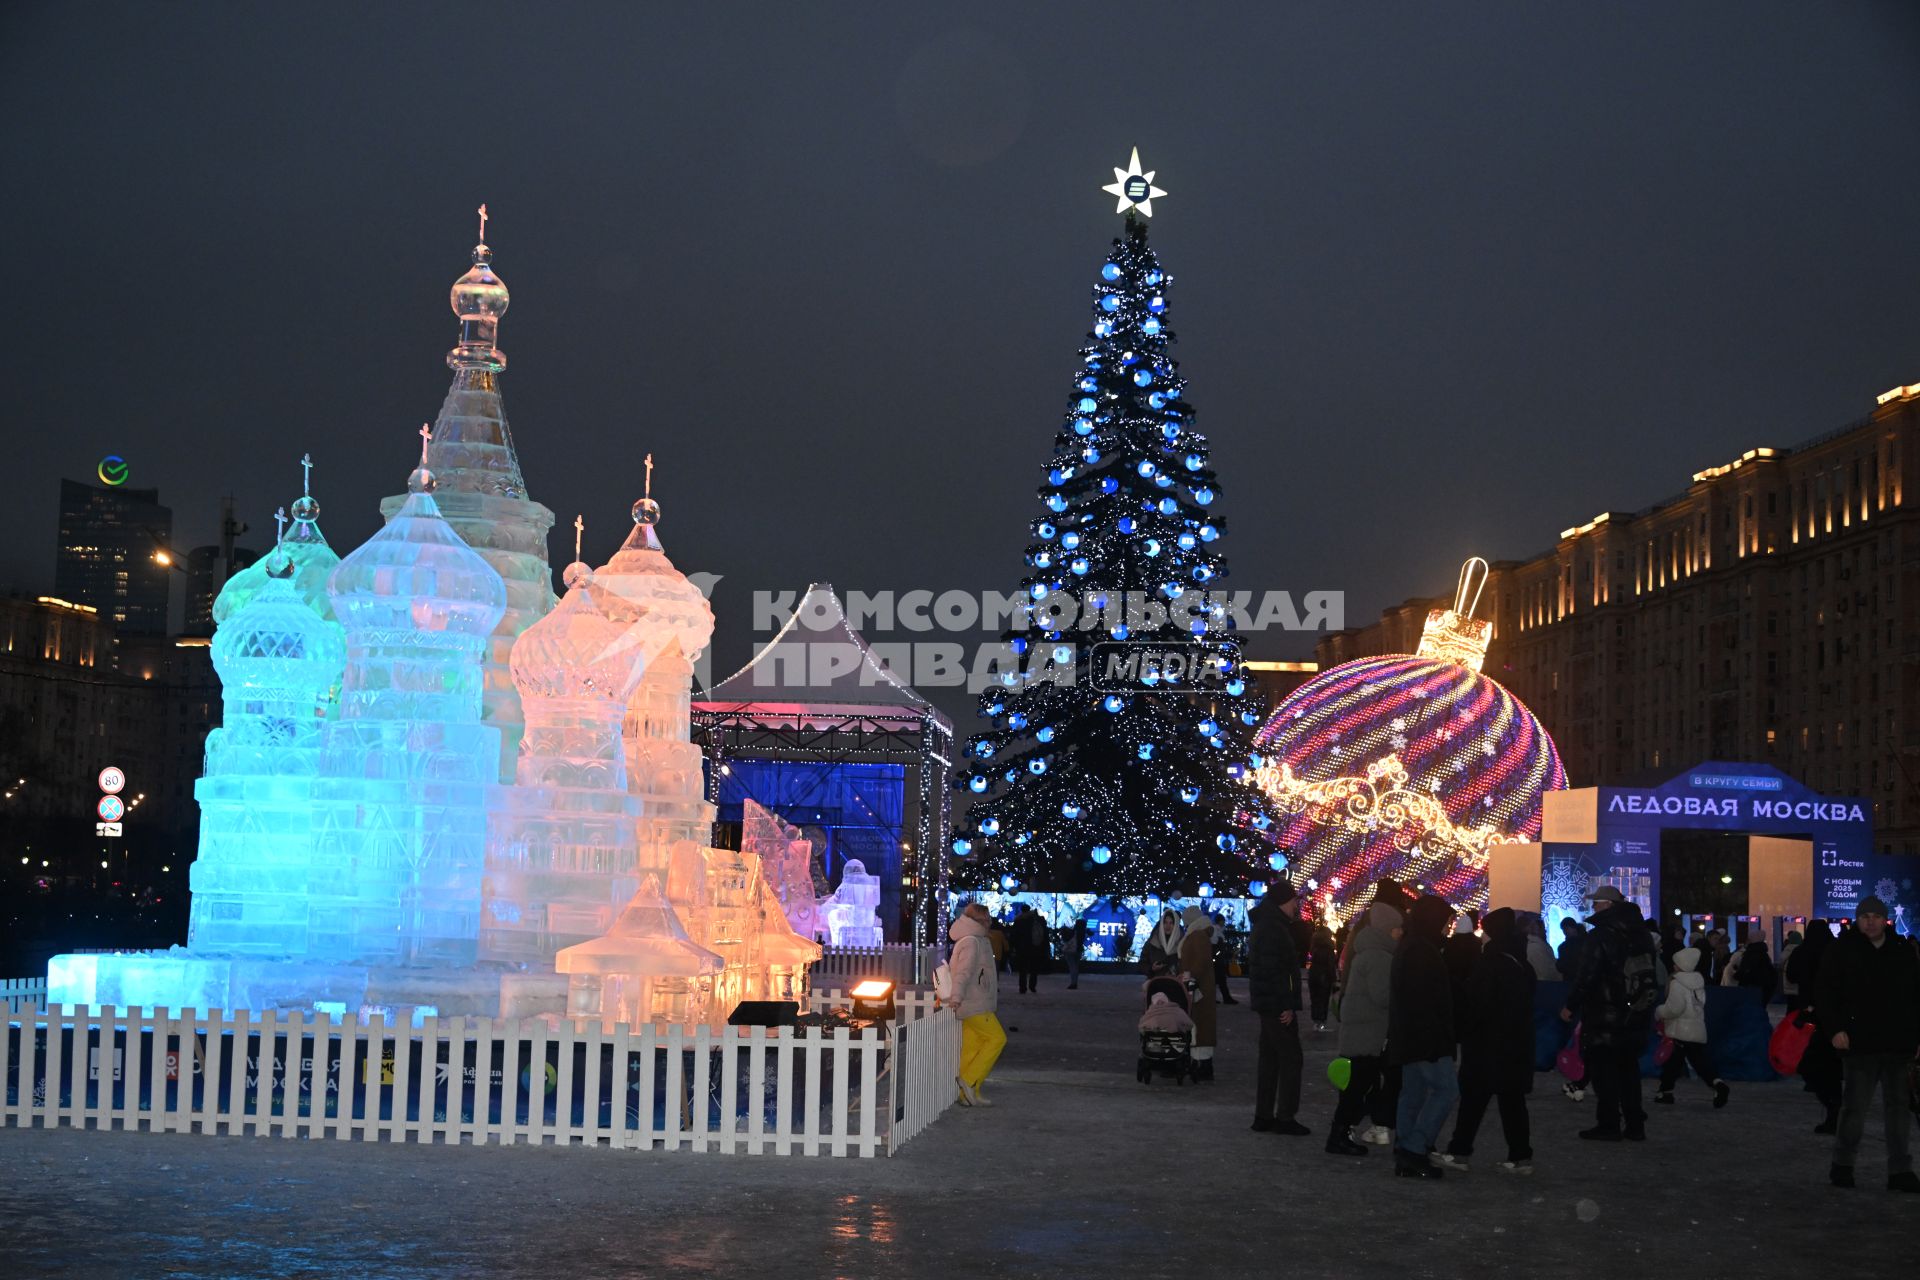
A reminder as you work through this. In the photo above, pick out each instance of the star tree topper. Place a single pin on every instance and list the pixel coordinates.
(1134, 188)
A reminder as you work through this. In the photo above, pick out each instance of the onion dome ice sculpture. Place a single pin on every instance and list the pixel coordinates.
(670, 622)
(576, 653)
(407, 768)
(304, 546)
(561, 854)
(279, 663)
(418, 579)
(640, 585)
(1406, 766)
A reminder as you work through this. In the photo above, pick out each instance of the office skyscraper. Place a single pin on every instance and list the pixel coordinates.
(105, 555)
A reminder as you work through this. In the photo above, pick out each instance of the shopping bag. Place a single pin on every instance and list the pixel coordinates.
(1567, 1062)
(1788, 1043)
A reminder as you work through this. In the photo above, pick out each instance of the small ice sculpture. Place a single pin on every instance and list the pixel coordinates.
(279, 664)
(407, 769)
(786, 863)
(560, 860)
(781, 955)
(853, 912)
(481, 492)
(646, 968)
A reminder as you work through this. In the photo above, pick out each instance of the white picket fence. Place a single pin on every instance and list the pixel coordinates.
(899, 963)
(16, 992)
(746, 1090)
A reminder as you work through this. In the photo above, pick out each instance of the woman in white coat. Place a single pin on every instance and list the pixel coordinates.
(975, 995)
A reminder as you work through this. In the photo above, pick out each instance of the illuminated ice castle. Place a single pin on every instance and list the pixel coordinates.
(360, 845)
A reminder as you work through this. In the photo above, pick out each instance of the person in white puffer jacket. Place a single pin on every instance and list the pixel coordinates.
(1683, 1018)
(975, 996)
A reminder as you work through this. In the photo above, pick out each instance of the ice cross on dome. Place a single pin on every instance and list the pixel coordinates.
(483, 224)
(306, 475)
(279, 525)
(426, 438)
(579, 527)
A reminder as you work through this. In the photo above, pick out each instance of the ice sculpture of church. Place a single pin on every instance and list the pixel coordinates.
(435, 790)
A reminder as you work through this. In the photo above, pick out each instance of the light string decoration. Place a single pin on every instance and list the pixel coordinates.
(1381, 802)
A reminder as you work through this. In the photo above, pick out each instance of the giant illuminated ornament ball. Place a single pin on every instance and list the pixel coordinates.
(1409, 766)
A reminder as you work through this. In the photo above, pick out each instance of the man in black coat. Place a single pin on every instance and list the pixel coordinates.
(1496, 1044)
(1030, 947)
(1420, 1038)
(1273, 991)
(1613, 994)
(1868, 1004)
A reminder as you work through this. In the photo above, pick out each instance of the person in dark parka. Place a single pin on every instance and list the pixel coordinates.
(1420, 1038)
(1612, 995)
(1496, 1044)
(1273, 991)
(1869, 1009)
(1323, 963)
(1462, 952)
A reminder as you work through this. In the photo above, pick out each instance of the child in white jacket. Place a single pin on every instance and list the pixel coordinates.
(1683, 1016)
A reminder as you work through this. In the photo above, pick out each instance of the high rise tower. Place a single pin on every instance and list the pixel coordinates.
(480, 491)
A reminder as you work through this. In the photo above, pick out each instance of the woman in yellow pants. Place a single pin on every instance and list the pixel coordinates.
(976, 994)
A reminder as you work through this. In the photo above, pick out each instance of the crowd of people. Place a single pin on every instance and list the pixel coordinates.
(1434, 1016)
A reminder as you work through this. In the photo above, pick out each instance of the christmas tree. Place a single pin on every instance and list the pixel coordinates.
(1119, 731)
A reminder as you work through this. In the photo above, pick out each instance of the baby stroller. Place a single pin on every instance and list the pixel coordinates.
(1167, 1052)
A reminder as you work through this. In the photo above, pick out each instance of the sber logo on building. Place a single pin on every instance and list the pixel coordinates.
(113, 470)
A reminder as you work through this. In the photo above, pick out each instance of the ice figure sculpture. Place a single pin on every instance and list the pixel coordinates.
(853, 912)
(279, 664)
(645, 969)
(560, 860)
(407, 769)
(313, 560)
(786, 863)
(480, 490)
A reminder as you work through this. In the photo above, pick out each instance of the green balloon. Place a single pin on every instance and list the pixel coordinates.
(1340, 1073)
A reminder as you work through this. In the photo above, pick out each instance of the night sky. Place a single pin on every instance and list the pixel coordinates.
(1448, 278)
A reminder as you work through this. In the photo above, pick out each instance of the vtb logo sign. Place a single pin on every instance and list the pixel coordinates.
(113, 470)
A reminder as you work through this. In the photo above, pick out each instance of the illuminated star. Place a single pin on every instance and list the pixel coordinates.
(1134, 188)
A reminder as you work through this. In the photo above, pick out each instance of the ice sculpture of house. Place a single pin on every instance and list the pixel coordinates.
(407, 768)
(786, 862)
(561, 856)
(645, 969)
(280, 664)
(481, 493)
(853, 912)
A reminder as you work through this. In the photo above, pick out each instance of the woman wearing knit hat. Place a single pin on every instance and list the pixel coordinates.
(1196, 961)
